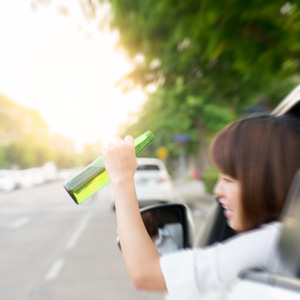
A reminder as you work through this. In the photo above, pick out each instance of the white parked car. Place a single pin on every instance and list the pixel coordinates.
(8, 180)
(152, 181)
(26, 178)
(49, 171)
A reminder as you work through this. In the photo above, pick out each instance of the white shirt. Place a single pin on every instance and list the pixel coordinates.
(192, 274)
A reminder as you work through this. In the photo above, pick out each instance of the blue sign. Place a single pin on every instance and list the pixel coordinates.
(184, 137)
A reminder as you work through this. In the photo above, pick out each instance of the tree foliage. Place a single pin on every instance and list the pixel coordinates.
(231, 50)
(25, 140)
(209, 60)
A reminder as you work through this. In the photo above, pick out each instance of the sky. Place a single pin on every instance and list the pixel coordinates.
(66, 68)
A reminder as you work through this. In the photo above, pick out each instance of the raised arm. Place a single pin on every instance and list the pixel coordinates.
(141, 257)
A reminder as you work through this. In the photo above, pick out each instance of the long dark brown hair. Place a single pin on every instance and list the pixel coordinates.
(262, 153)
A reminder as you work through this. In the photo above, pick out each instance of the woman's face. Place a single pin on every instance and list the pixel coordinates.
(228, 190)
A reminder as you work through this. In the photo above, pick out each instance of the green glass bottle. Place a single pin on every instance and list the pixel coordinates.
(94, 177)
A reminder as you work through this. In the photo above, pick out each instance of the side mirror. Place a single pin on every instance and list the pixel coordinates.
(170, 226)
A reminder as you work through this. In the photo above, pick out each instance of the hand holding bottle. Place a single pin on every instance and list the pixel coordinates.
(94, 176)
(120, 160)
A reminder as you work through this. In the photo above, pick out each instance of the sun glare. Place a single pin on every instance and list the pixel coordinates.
(66, 68)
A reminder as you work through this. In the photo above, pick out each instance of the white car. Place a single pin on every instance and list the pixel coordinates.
(8, 180)
(152, 181)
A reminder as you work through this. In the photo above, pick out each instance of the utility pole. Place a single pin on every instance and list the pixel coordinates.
(181, 140)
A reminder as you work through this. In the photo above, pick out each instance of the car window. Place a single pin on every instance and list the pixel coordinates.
(147, 167)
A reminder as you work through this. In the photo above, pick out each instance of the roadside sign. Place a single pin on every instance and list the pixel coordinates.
(181, 138)
(162, 152)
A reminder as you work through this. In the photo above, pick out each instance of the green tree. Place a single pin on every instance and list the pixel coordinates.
(2, 157)
(209, 60)
(25, 140)
(64, 153)
(235, 52)
(20, 153)
(166, 115)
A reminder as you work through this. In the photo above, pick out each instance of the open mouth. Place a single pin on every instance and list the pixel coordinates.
(227, 211)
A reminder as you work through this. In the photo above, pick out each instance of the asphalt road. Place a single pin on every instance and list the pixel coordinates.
(51, 248)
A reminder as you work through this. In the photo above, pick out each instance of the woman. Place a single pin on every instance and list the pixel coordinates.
(257, 158)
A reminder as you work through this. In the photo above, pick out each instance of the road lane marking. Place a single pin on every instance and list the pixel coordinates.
(54, 269)
(58, 264)
(77, 233)
(19, 223)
